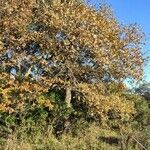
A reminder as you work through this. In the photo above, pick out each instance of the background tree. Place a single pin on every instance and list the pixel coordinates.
(144, 90)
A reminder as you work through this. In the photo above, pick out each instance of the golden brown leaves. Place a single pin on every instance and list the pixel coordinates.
(100, 102)
(84, 44)
(1, 45)
(112, 45)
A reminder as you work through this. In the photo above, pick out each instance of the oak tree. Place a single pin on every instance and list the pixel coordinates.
(67, 44)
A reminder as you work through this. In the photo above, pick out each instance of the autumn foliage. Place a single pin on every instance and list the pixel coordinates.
(62, 70)
(69, 46)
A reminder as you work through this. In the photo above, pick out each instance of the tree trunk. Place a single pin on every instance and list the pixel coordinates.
(68, 96)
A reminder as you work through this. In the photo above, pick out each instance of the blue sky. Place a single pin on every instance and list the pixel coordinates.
(133, 11)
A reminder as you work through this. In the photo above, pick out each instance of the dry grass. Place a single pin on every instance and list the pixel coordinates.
(90, 140)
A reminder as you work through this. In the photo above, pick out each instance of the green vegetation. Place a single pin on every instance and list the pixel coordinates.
(37, 127)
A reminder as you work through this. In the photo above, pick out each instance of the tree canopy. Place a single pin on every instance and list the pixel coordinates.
(69, 45)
